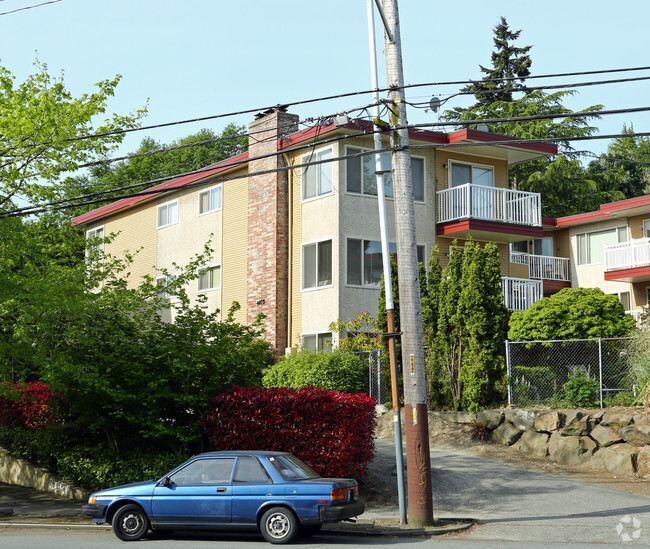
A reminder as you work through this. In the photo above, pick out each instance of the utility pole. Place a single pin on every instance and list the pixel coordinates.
(418, 460)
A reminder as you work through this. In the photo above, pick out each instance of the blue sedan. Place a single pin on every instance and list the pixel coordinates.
(273, 492)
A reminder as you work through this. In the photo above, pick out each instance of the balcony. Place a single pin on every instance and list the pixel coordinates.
(520, 293)
(543, 267)
(489, 213)
(627, 261)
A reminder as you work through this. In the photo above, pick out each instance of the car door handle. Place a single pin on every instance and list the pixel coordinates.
(222, 490)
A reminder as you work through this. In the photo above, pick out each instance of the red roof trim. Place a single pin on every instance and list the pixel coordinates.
(167, 186)
(627, 203)
(487, 137)
(447, 229)
(581, 218)
(627, 273)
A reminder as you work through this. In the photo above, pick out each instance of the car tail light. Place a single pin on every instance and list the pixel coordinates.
(344, 494)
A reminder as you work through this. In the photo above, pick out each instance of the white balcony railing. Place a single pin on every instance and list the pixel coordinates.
(542, 266)
(638, 315)
(627, 255)
(490, 204)
(520, 293)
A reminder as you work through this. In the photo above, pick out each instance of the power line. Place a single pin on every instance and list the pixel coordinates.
(363, 92)
(31, 7)
(33, 210)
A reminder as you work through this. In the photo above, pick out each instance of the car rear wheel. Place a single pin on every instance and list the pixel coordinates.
(279, 525)
(130, 523)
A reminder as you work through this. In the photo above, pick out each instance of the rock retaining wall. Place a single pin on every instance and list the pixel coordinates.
(613, 440)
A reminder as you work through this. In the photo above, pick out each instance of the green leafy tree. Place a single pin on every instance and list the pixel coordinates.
(572, 313)
(43, 129)
(153, 160)
(625, 166)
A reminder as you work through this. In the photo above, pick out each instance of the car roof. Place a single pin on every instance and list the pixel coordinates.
(222, 453)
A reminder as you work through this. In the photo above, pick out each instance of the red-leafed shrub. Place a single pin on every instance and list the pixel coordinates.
(26, 405)
(332, 432)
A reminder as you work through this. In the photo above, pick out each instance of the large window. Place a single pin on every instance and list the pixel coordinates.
(361, 176)
(317, 342)
(590, 245)
(317, 178)
(317, 264)
(167, 214)
(365, 265)
(461, 174)
(210, 200)
(210, 278)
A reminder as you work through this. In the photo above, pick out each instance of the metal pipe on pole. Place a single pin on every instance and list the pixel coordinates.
(418, 457)
(385, 255)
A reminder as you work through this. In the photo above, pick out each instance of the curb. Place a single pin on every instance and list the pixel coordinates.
(366, 528)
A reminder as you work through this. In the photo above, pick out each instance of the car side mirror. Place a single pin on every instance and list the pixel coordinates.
(166, 481)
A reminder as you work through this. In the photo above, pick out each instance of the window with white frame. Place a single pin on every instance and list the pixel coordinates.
(317, 342)
(625, 299)
(590, 245)
(361, 178)
(167, 214)
(317, 265)
(163, 283)
(364, 261)
(95, 242)
(317, 178)
(210, 278)
(210, 200)
(463, 173)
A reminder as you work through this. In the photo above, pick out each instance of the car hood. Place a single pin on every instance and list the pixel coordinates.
(137, 488)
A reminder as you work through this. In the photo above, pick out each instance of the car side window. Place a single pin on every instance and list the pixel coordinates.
(251, 470)
(205, 471)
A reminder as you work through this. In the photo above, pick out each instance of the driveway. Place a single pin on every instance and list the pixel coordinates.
(519, 505)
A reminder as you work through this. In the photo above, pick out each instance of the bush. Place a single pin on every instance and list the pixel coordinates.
(26, 405)
(581, 391)
(336, 370)
(331, 432)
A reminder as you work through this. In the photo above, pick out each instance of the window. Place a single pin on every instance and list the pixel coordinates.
(461, 174)
(96, 245)
(168, 214)
(317, 265)
(163, 283)
(249, 469)
(646, 228)
(210, 200)
(317, 178)
(210, 278)
(205, 471)
(624, 298)
(365, 265)
(590, 245)
(361, 176)
(317, 342)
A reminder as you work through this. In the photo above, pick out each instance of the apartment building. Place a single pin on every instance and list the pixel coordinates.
(294, 222)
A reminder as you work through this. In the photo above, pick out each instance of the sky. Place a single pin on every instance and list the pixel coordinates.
(196, 58)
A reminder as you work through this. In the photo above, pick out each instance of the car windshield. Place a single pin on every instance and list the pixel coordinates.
(291, 468)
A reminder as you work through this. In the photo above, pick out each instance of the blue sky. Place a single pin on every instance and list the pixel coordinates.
(199, 58)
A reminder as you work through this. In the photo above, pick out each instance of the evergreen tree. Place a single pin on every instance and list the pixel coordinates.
(508, 62)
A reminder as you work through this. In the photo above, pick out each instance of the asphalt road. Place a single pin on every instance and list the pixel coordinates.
(525, 507)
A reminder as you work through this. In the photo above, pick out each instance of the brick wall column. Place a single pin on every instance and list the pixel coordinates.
(268, 223)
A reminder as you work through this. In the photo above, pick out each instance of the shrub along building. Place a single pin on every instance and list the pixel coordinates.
(294, 226)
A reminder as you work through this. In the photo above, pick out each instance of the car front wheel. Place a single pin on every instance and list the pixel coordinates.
(130, 523)
(279, 525)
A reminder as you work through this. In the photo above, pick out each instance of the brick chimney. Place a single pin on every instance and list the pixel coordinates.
(268, 224)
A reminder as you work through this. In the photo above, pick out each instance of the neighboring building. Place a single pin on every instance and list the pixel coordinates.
(296, 235)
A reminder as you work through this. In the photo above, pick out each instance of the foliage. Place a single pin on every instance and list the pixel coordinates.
(466, 367)
(572, 313)
(154, 160)
(622, 398)
(337, 370)
(41, 124)
(332, 432)
(639, 360)
(360, 333)
(509, 62)
(26, 405)
(580, 390)
(625, 165)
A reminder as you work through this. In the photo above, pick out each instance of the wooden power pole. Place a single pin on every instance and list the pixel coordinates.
(418, 460)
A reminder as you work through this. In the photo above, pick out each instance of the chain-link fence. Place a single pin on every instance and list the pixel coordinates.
(538, 371)
(378, 376)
